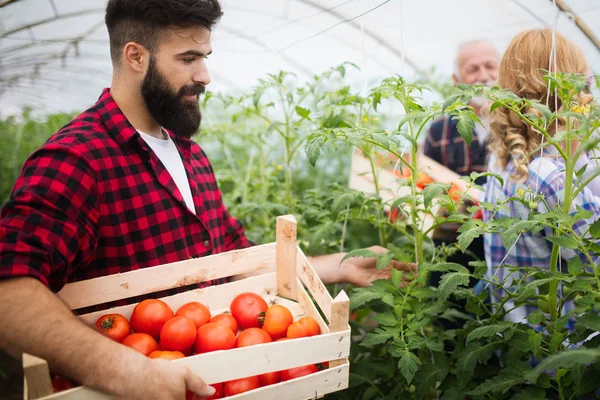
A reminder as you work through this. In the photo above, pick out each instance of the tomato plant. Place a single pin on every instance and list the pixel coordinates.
(141, 342)
(178, 333)
(149, 316)
(212, 337)
(196, 312)
(277, 320)
(115, 326)
(247, 308)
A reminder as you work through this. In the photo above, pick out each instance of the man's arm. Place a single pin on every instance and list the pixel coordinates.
(41, 325)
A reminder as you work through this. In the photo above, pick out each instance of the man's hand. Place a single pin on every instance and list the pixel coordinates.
(357, 271)
(163, 379)
(360, 271)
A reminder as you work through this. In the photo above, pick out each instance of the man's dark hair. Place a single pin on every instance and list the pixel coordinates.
(143, 21)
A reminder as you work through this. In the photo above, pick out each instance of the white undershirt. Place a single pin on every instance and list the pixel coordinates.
(167, 153)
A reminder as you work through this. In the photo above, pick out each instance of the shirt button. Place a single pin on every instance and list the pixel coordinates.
(206, 243)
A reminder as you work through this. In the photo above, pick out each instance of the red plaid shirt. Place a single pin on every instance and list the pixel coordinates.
(95, 200)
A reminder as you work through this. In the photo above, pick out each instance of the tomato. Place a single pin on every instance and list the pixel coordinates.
(455, 192)
(294, 373)
(251, 337)
(141, 342)
(167, 355)
(59, 384)
(218, 393)
(277, 320)
(246, 308)
(226, 320)
(306, 326)
(195, 311)
(115, 326)
(149, 316)
(423, 180)
(179, 333)
(238, 386)
(212, 337)
(270, 378)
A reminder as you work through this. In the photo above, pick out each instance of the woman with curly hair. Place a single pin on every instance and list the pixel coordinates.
(519, 157)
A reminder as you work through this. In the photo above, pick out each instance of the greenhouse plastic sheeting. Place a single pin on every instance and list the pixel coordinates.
(54, 54)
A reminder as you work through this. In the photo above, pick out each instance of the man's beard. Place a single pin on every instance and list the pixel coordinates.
(169, 109)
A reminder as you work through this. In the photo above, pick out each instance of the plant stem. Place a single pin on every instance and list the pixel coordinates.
(382, 232)
(415, 217)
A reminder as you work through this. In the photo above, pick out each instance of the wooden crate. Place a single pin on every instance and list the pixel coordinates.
(286, 277)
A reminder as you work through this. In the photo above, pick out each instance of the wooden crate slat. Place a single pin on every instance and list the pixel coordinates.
(340, 313)
(154, 279)
(216, 298)
(37, 377)
(309, 307)
(308, 387)
(309, 277)
(286, 256)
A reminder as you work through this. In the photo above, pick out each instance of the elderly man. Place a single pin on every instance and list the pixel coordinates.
(476, 64)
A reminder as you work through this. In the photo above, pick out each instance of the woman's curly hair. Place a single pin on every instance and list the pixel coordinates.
(522, 72)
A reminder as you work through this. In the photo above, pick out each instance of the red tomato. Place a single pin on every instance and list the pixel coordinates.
(141, 342)
(251, 337)
(212, 337)
(59, 384)
(306, 326)
(270, 378)
(238, 386)
(218, 393)
(423, 181)
(294, 373)
(247, 308)
(115, 326)
(277, 320)
(195, 311)
(167, 355)
(149, 316)
(179, 333)
(226, 320)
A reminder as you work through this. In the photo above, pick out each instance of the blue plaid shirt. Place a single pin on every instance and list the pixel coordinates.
(547, 178)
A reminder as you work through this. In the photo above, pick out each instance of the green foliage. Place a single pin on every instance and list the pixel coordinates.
(285, 147)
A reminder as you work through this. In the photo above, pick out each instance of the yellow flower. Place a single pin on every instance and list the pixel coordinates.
(267, 123)
(520, 192)
(375, 119)
(279, 167)
(366, 119)
(581, 109)
(387, 132)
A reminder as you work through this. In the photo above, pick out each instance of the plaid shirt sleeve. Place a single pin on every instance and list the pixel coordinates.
(433, 146)
(49, 225)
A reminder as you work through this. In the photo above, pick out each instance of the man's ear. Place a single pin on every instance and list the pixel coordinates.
(135, 57)
(455, 78)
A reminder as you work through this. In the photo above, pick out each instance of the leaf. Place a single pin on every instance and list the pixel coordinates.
(500, 383)
(386, 319)
(595, 229)
(384, 259)
(433, 190)
(373, 339)
(535, 340)
(566, 242)
(342, 202)
(303, 112)
(396, 276)
(574, 266)
(590, 321)
(410, 139)
(468, 358)
(364, 253)
(450, 282)
(322, 233)
(361, 296)
(313, 150)
(427, 378)
(566, 359)
(465, 127)
(536, 317)
(544, 110)
(486, 331)
(531, 393)
(408, 364)
(466, 238)
(376, 100)
(443, 267)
